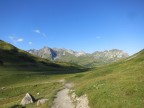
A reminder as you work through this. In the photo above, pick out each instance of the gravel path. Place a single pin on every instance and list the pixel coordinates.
(63, 100)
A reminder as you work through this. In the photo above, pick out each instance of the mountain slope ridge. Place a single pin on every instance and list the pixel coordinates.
(10, 56)
(120, 84)
(81, 58)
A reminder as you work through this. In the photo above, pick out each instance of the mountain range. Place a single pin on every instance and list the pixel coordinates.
(79, 57)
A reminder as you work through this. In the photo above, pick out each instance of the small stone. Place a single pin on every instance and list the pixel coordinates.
(41, 102)
(3, 88)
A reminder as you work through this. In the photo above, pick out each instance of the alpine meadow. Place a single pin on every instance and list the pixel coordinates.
(71, 54)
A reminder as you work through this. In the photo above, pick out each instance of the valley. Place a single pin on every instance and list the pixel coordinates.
(118, 84)
(71, 53)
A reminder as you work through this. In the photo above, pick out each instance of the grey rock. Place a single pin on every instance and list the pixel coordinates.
(2, 88)
(27, 99)
(41, 102)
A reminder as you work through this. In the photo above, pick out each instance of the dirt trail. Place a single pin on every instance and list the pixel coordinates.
(63, 100)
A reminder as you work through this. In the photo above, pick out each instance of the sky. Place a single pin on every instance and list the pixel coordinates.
(80, 25)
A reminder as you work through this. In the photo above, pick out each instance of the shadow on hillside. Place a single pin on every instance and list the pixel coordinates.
(21, 61)
(43, 69)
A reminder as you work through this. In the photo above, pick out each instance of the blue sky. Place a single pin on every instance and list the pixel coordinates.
(81, 25)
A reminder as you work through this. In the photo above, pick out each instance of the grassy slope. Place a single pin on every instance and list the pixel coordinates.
(17, 83)
(12, 57)
(21, 72)
(118, 85)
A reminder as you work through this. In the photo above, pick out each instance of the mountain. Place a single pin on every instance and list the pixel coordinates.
(80, 58)
(12, 57)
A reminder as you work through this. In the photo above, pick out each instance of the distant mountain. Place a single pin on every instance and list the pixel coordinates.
(12, 57)
(80, 58)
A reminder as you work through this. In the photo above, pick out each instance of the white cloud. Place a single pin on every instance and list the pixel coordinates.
(39, 32)
(15, 40)
(30, 43)
(19, 40)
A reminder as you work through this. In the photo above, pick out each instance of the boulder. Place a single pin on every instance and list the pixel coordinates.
(27, 99)
(41, 102)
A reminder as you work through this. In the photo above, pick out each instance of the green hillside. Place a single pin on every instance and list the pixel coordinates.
(117, 85)
(21, 72)
(12, 57)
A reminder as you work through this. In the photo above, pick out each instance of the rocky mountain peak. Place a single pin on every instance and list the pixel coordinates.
(79, 57)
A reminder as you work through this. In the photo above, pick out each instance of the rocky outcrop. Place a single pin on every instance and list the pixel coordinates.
(27, 99)
(30, 99)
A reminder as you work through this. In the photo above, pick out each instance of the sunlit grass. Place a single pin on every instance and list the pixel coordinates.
(118, 85)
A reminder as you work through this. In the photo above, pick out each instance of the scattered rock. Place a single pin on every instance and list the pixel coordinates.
(27, 99)
(82, 102)
(2, 88)
(41, 102)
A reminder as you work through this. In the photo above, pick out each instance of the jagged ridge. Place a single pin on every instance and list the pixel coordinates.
(81, 58)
